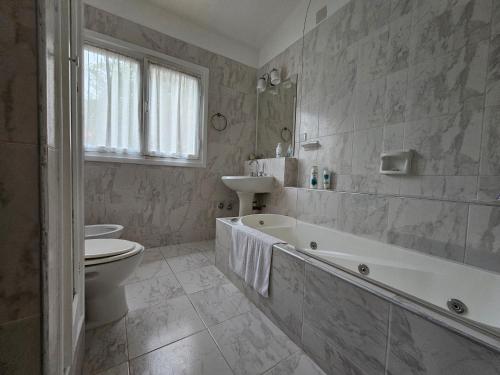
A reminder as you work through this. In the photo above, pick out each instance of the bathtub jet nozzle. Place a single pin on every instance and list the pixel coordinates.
(363, 269)
(456, 306)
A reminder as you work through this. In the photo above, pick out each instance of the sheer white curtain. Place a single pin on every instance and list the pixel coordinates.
(112, 91)
(174, 114)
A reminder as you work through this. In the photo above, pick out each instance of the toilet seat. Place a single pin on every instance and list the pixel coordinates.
(99, 251)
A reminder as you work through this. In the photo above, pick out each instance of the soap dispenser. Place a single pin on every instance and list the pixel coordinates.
(279, 150)
(326, 179)
(313, 179)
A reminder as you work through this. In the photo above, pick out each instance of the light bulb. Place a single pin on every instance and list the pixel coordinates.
(261, 84)
(275, 77)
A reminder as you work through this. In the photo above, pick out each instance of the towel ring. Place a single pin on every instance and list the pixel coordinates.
(216, 117)
(285, 131)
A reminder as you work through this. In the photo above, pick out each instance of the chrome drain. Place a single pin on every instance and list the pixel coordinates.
(456, 306)
(261, 222)
(313, 245)
(363, 269)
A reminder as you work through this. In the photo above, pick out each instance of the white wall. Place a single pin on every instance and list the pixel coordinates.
(152, 16)
(291, 29)
(285, 34)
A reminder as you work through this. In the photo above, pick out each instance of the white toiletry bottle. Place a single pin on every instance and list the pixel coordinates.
(314, 177)
(326, 179)
(289, 152)
(279, 150)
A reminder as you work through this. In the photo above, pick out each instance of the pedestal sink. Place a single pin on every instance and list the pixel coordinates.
(246, 187)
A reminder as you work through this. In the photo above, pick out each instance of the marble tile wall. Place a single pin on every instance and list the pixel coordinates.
(388, 75)
(19, 190)
(167, 205)
(346, 329)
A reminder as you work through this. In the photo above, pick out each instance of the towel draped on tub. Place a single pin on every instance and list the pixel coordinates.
(251, 255)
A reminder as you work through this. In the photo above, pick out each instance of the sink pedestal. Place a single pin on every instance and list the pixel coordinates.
(246, 202)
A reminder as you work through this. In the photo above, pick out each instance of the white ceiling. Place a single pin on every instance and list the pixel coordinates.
(247, 21)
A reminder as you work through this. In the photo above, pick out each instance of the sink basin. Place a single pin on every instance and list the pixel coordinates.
(249, 184)
(246, 187)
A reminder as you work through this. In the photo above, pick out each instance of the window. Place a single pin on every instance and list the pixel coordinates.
(141, 106)
(111, 102)
(173, 115)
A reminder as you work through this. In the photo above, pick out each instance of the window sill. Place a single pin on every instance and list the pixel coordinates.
(144, 160)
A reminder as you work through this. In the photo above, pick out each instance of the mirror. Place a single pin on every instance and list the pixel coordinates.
(276, 118)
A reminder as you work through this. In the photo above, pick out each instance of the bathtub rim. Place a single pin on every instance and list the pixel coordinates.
(435, 314)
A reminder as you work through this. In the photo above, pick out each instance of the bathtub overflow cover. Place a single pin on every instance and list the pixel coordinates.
(313, 245)
(456, 306)
(363, 269)
(261, 222)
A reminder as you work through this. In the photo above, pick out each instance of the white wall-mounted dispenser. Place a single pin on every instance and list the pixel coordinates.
(396, 162)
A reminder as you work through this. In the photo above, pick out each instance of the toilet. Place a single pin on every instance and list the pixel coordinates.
(108, 263)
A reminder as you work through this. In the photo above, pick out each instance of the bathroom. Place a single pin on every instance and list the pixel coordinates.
(329, 203)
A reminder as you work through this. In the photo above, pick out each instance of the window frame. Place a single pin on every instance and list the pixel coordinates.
(144, 56)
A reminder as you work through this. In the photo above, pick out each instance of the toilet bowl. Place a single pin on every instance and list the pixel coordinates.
(108, 263)
(103, 231)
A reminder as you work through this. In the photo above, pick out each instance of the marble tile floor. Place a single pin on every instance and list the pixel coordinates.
(187, 318)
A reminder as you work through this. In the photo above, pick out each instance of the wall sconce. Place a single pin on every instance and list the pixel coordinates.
(268, 79)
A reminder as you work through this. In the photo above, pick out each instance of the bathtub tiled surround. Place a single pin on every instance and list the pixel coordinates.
(211, 329)
(160, 205)
(382, 75)
(349, 328)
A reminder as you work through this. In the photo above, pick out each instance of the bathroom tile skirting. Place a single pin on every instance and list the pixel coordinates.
(349, 326)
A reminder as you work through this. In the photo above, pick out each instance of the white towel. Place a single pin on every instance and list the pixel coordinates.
(251, 255)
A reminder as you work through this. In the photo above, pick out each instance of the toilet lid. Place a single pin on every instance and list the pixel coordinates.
(106, 247)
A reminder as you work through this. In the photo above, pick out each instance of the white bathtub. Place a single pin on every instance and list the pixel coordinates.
(424, 278)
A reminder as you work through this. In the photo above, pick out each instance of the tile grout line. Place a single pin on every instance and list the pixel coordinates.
(148, 307)
(164, 346)
(483, 125)
(388, 345)
(126, 341)
(406, 196)
(467, 229)
(303, 309)
(218, 347)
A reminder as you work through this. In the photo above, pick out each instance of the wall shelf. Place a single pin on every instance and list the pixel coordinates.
(312, 145)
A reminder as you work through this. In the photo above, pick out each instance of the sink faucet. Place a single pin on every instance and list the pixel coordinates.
(262, 172)
(255, 172)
